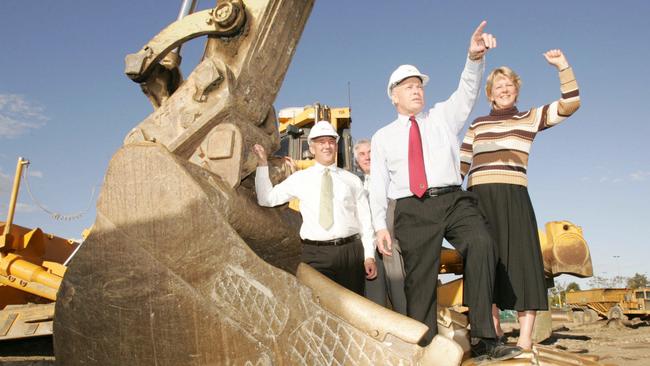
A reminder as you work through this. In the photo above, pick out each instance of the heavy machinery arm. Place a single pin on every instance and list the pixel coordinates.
(225, 105)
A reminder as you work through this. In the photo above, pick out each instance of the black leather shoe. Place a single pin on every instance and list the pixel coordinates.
(502, 340)
(492, 349)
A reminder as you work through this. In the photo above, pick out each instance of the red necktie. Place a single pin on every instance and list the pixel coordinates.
(417, 175)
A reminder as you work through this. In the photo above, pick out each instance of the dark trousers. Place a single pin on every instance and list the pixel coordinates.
(390, 273)
(420, 226)
(394, 265)
(376, 288)
(388, 286)
(342, 264)
(394, 269)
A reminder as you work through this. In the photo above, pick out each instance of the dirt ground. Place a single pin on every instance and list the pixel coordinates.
(616, 342)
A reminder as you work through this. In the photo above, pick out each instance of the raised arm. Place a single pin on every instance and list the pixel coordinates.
(556, 112)
(458, 107)
(267, 194)
(556, 58)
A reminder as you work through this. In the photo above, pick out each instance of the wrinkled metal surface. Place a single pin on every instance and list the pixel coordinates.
(179, 270)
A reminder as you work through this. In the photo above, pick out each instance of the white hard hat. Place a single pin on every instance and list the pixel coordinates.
(403, 72)
(322, 128)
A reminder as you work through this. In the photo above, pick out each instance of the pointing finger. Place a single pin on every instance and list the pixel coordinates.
(479, 29)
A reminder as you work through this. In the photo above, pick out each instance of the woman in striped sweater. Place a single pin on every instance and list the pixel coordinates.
(494, 157)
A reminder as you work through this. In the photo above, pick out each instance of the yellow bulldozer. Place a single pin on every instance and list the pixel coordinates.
(182, 266)
(32, 265)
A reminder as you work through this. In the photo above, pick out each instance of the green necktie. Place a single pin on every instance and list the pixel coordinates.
(326, 213)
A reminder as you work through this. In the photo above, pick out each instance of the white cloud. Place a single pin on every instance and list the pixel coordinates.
(20, 207)
(609, 176)
(35, 173)
(640, 175)
(5, 182)
(25, 207)
(17, 115)
(608, 179)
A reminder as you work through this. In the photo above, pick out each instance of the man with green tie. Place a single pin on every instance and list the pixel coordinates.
(336, 231)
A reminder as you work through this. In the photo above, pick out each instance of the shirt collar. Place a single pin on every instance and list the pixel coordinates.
(403, 119)
(320, 167)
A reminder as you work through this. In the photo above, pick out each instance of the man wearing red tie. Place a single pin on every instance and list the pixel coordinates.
(416, 162)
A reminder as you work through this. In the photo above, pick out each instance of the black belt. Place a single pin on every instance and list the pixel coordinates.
(335, 242)
(439, 191)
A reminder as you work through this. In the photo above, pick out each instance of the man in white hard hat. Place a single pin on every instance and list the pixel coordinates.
(415, 161)
(336, 231)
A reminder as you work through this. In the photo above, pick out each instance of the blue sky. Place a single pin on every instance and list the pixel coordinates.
(66, 105)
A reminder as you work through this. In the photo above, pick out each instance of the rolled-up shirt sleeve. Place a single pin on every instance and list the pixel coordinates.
(269, 195)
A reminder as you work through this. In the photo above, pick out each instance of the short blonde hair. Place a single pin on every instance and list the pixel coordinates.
(501, 71)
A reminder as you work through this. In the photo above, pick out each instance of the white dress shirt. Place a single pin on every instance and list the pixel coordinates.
(366, 182)
(351, 210)
(440, 128)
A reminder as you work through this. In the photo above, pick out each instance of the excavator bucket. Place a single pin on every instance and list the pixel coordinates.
(173, 274)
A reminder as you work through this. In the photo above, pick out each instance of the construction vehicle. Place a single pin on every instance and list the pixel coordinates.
(32, 265)
(182, 266)
(295, 124)
(612, 303)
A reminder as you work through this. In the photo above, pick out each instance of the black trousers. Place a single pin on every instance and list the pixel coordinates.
(376, 289)
(342, 264)
(389, 282)
(420, 226)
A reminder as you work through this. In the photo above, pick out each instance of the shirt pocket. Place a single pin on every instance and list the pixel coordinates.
(344, 195)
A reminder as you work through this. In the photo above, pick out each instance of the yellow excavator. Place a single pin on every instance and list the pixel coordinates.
(182, 266)
(295, 123)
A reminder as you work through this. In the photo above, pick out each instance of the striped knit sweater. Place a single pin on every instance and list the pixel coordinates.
(496, 147)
